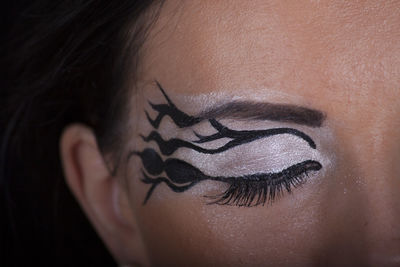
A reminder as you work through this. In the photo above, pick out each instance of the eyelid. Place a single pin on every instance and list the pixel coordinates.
(180, 175)
(168, 147)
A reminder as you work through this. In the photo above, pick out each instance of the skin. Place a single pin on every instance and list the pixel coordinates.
(340, 57)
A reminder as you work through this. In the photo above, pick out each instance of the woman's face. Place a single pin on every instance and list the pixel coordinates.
(285, 129)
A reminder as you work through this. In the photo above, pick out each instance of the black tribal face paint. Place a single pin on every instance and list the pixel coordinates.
(244, 189)
(182, 176)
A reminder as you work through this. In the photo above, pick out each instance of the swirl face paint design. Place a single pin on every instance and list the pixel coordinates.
(246, 190)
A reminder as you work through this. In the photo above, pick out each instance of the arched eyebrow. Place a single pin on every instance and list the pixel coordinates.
(237, 110)
(265, 111)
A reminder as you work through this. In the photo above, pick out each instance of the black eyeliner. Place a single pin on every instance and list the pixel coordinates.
(183, 175)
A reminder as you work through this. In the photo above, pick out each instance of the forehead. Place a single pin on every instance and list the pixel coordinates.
(295, 49)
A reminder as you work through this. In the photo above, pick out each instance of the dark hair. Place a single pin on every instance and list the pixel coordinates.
(66, 62)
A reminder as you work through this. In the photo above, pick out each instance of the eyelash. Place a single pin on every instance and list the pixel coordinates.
(253, 192)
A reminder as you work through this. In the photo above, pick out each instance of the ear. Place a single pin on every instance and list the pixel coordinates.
(100, 195)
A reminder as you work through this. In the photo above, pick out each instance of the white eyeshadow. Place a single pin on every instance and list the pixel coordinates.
(265, 155)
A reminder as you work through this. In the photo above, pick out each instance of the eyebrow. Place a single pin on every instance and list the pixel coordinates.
(265, 111)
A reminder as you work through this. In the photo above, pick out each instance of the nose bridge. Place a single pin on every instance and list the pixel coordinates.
(362, 205)
(377, 165)
(373, 197)
(378, 183)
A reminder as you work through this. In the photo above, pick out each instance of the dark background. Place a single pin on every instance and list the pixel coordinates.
(34, 232)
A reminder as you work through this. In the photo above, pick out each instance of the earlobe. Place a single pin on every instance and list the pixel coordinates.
(100, 194)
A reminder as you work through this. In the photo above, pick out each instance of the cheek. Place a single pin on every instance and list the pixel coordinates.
(184, 231)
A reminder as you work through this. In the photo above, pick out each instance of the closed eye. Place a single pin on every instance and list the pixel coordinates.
(245, 190)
